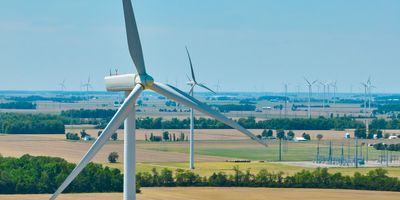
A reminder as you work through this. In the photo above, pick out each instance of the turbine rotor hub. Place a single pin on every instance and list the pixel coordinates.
(145, 80)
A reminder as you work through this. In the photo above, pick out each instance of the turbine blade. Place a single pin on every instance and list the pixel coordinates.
(112, 126)
(314, 82)
(135, 48)
(308, 82)
(183, 98)
(191, 65)
(192, 89)
(188, 77)
(205, 87)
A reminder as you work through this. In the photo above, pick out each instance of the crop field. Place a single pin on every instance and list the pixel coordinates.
(152, 105)
(225, 193)
(212, 149)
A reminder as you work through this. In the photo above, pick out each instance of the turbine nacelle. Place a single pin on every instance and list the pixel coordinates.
(127, 82)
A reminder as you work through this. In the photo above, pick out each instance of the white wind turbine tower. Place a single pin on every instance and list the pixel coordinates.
(365, 85)
(309, 85)
(286, 98)
(334, 85)
(87, 85)
(370, 86)
(218, 86)
(133, 85)
(324, 84)
(193, 83)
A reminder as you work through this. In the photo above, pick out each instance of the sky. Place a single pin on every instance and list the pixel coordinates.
(247, 45)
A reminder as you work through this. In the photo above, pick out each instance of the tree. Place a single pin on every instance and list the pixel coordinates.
(281, 135)
(113, 157)
(165, 136)
(72, 136)
(270, 133)
(99, 133)
(386, 135)
(264, 133)
(290, 135)
(83, 133)
(360, 133)
(114, 136)
(182, 137)
(379, 134)
(319, 137)
(306, 136)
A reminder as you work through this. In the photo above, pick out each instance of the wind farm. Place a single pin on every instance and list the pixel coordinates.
(242, 119)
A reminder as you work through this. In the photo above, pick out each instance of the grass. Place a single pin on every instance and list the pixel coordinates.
(291, 151)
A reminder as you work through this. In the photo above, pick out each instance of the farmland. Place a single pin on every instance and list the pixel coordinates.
(213, 148)
(224, 193)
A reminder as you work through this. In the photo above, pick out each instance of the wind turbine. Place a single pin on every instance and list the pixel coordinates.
(286, 97)
(133, 85)
(309, 85)
(87, 85)
(365, 85)
(218, 86)
(193, 83)
(62, 86)
(334, 85)
(370, 86)
(324, 84)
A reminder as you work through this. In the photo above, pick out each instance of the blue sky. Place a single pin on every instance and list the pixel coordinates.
(253, 45)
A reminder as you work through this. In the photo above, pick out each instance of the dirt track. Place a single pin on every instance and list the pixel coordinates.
(226, 194)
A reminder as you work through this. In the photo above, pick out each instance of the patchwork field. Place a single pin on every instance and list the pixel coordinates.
(225, 193)
(212, 149)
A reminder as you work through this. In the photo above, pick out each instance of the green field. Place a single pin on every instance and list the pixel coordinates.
(291, 151)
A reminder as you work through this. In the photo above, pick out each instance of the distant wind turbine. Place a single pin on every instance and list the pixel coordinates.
(193, 83)
(365, 85)
(87, 85)
(309, 85)
(62, 86)
(286, 98)
(370, 86)
(133, 85)
(218, 87)
(334, 85)
(324, 85)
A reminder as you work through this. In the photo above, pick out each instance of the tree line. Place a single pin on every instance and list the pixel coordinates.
(35, 175)
(388, 147)
(38, 175)
(14, 123)
(320, 123)
(86, 113)
(18, 105)
(319, 178)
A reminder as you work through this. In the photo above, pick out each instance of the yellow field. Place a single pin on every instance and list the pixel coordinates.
(225, 193)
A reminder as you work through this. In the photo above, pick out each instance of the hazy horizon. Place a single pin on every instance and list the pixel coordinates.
(251, 46)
